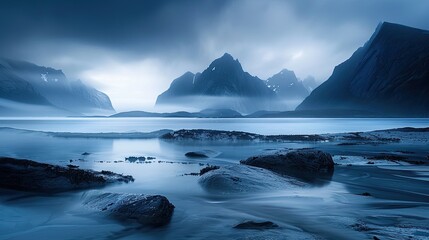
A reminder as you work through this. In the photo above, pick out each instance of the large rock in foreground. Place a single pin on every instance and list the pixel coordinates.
(27, 175)
(241, 179)
(306, 164)
(153, 210)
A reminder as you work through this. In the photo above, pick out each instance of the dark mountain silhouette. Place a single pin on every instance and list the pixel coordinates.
(24, 82)
(388, 76)
(224, 84)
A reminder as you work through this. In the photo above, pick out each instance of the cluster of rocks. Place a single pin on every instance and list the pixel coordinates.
(27, 175)
(31, 176)
(276, 171)
(133, 159)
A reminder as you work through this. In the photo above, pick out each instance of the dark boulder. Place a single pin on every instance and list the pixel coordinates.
(152, 210)
(256, 225)
(202, 154)
(27, 175)
(306, 164)
(196, 154)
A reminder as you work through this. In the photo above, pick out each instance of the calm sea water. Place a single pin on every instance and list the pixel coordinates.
(323, 212)
(261, 126)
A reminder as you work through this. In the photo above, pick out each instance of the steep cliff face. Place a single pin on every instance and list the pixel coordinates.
(32, 84)
(389, 75)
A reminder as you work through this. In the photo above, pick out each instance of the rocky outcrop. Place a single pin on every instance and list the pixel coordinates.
(305, 164)
(152, 210)
(244, 179)
(219, 135)
(27, 175)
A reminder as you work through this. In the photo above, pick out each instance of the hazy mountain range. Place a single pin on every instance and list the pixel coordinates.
(224, 84)
(28, 89)
(387, 77)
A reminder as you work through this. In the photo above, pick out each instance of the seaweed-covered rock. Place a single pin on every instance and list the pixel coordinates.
(27, 175)
(153, 210)
(305, 164)
(239, 178)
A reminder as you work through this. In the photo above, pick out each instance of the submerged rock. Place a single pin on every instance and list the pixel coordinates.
(256, 225)
(240, 178)
(306, 164)
(153, 210)
(202, 154)
(27, 175)
(197, 154)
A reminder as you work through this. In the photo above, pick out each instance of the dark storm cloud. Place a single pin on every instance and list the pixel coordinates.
(131, 48)
(139, 27)
(126, 25)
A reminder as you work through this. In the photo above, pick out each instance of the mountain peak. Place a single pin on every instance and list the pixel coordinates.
(227, 56)
(390, 31)
(226, 63)
(287, 72)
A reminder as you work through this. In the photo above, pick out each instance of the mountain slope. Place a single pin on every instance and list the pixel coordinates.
(224, 84)
(289, 90)
(389, 76)
(14, 88)
(47, 86)
(287, 86)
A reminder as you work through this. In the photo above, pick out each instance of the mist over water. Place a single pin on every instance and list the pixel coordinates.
(325, 211)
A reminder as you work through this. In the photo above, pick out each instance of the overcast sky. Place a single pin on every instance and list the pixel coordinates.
(133, 49)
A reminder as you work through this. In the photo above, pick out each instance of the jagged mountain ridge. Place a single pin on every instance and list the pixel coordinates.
(224, 84)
